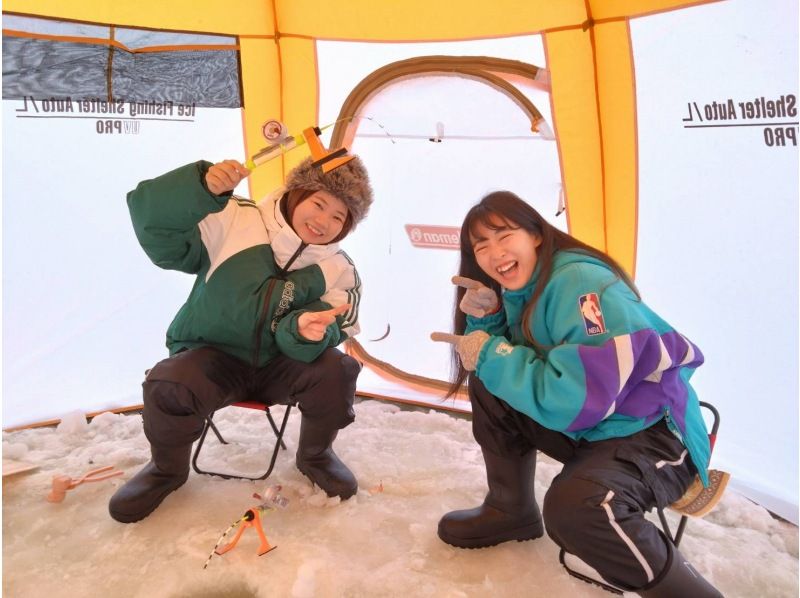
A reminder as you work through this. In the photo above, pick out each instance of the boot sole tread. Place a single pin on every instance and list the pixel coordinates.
(523, 534)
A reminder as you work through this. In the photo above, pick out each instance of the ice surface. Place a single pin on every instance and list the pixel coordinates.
(412, 467)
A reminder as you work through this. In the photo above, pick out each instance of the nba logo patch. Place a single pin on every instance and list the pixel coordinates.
(592, 314)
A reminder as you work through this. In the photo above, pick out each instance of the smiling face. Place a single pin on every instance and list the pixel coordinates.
(505, 252)
(319, 218)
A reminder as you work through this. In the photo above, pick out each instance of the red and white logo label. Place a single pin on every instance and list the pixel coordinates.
(591, 313)
(436, 237)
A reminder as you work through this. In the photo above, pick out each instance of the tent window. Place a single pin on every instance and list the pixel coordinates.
(206, 78)
(44, 58)
(41, 69)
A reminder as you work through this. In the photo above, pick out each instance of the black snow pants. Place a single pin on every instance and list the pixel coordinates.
(180, 391)
(595, 507)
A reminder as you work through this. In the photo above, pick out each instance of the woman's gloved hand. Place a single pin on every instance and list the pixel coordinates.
(479, 300)
(468, 347)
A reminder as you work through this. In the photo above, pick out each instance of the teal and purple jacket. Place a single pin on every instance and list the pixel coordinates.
(610, 366)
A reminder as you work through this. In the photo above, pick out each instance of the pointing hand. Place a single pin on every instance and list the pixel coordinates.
(479, 300)
(312, 324)
(468, 347)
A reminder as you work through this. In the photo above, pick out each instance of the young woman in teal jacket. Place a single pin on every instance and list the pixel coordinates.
(562, 356)
(273, 296)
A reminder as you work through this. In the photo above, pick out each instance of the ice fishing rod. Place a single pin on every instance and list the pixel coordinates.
(282, 142)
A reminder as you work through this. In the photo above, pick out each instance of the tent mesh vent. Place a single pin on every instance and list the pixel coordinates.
(43, 69)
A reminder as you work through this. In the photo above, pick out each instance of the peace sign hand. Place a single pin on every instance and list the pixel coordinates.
(311, 325)
(468, 347)
(479, 300)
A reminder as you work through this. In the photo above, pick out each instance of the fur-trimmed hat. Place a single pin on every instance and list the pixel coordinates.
(349, 182)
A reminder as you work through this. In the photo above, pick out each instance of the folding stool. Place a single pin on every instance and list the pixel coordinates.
(209, 424)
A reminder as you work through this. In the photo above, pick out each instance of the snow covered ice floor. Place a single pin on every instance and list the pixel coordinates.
(379, 543)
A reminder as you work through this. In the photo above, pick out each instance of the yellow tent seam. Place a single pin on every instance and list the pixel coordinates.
(277, 38)
(635, 247)
(112, 42)
(589, 24)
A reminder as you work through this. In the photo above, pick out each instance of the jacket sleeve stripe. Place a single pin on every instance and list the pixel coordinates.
(353, 294)
(633, 375)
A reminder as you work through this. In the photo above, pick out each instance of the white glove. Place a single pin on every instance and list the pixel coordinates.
(468, 347)
(479, 300)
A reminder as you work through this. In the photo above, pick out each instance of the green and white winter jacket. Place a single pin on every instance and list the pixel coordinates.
(255, 276)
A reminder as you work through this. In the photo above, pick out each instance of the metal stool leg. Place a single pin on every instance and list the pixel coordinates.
(279, 434)
(206, 425)
(577, 575)
(279, 443)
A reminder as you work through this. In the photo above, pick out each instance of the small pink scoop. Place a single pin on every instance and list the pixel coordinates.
(62, 483)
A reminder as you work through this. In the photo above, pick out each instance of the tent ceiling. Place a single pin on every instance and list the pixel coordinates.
(363, 20)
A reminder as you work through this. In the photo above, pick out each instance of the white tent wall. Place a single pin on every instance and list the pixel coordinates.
(718, 223)
(84, 312)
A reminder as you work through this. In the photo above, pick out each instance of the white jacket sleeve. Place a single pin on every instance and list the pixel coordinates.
(342, 286)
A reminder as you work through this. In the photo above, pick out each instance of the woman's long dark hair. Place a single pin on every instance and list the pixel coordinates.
(510, 210)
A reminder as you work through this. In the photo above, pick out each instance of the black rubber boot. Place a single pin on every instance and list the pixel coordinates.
(509, 511)
(679, 578)
(167, 471)
(317, 461)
